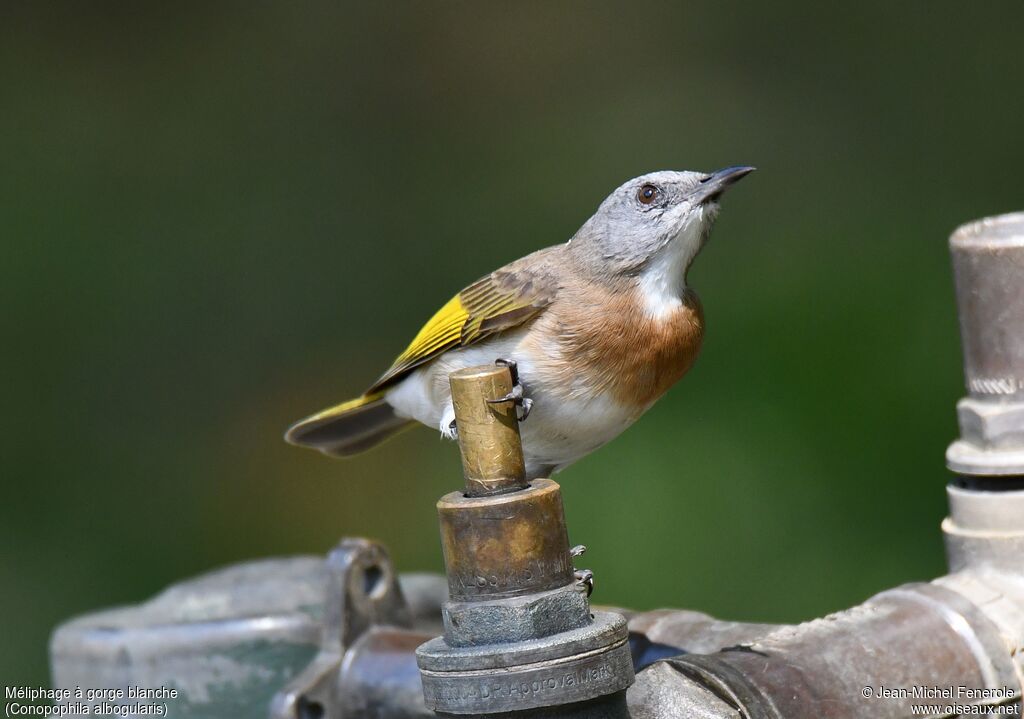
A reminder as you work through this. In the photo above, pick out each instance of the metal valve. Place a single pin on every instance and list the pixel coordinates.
(988, 264)
(518, 630)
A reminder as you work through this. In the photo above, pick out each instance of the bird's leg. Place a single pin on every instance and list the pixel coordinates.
(524, 403)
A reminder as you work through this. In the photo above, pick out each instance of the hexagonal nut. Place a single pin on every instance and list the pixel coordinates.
(991, 425)
(515, 619)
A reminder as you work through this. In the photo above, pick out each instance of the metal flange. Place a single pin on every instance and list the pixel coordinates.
(569, 667)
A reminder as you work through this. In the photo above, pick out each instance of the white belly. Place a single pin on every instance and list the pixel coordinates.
(558, 431)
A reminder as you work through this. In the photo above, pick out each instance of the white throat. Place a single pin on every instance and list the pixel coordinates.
(663, 280)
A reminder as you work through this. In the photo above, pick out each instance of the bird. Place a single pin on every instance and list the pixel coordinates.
(596, 329)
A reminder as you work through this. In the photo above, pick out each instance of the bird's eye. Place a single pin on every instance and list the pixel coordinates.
(646, 194)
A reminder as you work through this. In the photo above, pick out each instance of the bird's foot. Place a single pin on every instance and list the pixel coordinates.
(447, 425)
(517, 395)
(584, 581)
(584, 577)
(451, 431)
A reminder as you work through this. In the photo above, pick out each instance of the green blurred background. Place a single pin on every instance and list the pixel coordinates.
(219, 217)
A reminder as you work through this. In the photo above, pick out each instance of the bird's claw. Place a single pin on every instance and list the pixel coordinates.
(584, 581)
(523, 403)
(584, 577)
(513, 368)
(524, 408)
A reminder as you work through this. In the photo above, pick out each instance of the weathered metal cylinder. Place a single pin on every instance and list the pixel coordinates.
(506, 545)
(988, 266)
(492, 454)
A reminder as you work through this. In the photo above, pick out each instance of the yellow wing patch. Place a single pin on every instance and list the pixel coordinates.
(497, 302)
(442, 330)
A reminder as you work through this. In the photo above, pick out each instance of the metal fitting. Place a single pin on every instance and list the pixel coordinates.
(518, 630)
(492, 454)
(984, 530)
(920, 635)
(306, 637)
(988, 266)
(505, 545)
(362, 594)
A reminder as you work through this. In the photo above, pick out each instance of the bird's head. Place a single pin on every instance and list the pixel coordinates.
(658, 216)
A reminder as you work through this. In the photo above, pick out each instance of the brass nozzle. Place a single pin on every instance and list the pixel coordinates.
(492, 454)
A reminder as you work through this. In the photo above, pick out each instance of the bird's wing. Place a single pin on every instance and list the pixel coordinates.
(503, 299)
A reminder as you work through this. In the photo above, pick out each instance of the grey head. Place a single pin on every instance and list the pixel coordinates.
(658, 218)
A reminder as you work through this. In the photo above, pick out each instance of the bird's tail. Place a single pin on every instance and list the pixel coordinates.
(348, 428)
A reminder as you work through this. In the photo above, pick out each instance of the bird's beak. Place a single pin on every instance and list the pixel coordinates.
(712, 186)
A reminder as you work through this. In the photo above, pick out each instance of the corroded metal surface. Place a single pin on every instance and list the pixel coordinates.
(362, 593)
(229, 640)
(858, 663)
(379, 677)
(505, 545)
(513, 619)
(567, 668)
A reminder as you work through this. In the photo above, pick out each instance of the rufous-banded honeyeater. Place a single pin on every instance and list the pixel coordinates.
(599, 328)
